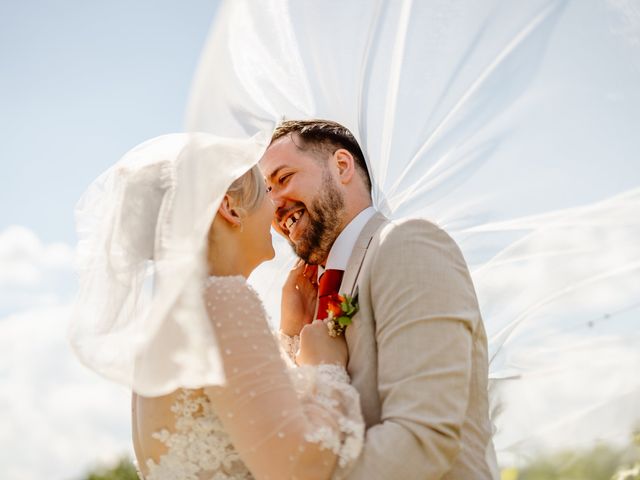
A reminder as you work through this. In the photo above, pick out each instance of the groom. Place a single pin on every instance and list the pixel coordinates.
(417, 346)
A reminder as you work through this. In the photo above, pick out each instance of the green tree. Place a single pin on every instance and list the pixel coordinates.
(123, 470)
(602, 462)
(599, 463)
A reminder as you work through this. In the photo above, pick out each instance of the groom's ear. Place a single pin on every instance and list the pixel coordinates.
(346, 165)
(227, 212)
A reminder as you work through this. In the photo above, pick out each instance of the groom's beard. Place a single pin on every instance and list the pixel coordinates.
(324, 223)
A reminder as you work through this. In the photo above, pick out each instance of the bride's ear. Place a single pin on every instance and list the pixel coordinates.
(229, 213)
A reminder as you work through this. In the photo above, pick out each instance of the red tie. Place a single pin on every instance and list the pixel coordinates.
(329, 285)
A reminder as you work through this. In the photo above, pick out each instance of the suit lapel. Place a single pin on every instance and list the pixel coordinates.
(356, 259)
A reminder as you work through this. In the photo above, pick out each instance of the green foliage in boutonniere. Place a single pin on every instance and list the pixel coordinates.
(340, 310)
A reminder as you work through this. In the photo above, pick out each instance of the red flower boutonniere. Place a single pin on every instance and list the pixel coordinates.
(340, 310)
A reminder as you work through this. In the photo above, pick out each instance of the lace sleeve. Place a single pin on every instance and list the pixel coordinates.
(285, 422)
(290, 345)
(327, 387)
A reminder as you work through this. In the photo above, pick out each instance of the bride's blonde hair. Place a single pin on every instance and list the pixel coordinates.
(248, 191)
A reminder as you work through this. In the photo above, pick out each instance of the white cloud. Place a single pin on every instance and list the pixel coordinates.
(25, 259)
(58, 417)
(31, 272)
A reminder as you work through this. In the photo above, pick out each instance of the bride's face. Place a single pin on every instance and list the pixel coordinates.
(255, 234)
(240, 235)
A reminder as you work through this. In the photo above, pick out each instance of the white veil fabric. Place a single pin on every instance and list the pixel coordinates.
(139, 317)
(513, 125)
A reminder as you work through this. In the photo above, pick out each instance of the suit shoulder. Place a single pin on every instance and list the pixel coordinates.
(407, 231)
(415, 239)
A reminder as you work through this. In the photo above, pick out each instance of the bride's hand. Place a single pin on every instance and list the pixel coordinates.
(318, 347)
(299, 298)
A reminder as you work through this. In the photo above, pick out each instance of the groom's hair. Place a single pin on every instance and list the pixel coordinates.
(324, 137)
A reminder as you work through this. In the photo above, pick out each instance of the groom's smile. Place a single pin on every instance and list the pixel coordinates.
(292, 221)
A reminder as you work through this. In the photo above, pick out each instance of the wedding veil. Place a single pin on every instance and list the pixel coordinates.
(139, 317)
(511, 124)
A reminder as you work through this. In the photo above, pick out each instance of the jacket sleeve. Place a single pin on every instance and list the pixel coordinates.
(426, 312)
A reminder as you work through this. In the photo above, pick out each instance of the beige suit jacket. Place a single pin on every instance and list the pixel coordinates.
(417, 356)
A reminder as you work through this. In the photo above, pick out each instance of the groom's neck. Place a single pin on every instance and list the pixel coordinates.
(347, 219)
(352, 211)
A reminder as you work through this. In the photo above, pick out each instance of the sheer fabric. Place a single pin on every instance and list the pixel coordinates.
(511, 125)
(138, 318)
(270, 418)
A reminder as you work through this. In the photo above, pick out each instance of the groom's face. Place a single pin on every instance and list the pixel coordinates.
(309, 205)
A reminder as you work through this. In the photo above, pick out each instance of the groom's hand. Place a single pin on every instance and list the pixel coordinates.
(299, 298)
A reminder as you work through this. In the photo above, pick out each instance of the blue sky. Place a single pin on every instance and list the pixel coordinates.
(81, 83)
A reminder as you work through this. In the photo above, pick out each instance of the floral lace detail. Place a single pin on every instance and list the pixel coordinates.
(199, 448)
(290, 345)
(328, 387)
(332, 374)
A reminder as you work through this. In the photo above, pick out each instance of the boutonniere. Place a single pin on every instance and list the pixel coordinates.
(340, 310)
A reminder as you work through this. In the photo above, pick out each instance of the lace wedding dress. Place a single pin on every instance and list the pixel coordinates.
(271, 418)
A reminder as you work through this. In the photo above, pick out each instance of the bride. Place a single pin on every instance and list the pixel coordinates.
(213, 396)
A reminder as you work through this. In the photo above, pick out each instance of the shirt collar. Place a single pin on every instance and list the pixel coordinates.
(343, 246)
